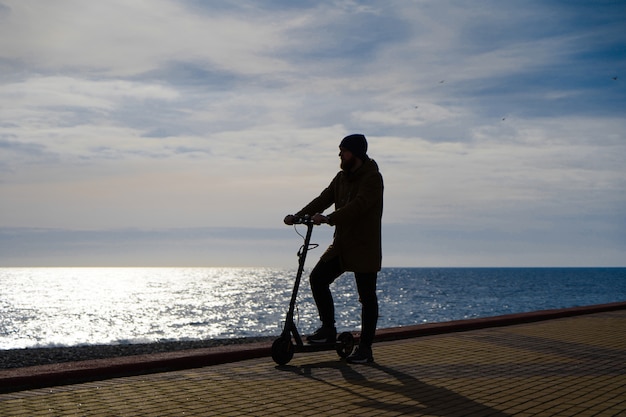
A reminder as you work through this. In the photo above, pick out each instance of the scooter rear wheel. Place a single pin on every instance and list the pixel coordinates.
(345, 344)
(282, 350)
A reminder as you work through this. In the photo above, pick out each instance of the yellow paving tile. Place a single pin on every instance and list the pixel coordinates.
(569, 366)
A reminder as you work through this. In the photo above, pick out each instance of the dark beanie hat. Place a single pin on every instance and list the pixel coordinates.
(357, 144)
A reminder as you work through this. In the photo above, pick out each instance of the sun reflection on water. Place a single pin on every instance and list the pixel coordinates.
(76, 306)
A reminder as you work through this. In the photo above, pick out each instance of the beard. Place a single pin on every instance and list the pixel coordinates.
(347, 165)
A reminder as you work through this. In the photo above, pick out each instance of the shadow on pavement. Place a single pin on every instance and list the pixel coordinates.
(420, 397)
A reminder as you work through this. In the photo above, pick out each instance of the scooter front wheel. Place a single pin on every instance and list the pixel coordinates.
(282, 350)
(345, 344)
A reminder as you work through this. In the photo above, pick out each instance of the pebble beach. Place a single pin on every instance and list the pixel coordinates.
(17, 358)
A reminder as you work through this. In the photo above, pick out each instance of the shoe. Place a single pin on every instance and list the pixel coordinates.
(323, 335)
(361, 355)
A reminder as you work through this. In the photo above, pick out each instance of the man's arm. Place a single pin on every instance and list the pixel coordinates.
(321, 202)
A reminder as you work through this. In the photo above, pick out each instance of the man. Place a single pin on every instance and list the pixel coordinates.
(357, 193)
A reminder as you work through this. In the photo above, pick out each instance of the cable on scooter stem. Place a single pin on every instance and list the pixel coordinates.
(303, 220)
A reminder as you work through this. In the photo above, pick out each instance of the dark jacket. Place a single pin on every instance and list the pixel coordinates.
(358, 199)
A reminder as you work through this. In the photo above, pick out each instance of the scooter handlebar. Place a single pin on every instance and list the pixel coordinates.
(307, 219)
(302, 220)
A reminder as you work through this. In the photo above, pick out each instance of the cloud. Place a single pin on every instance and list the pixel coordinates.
(486, 119)
(73, 34)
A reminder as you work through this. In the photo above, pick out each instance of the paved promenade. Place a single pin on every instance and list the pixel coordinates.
(564, 366)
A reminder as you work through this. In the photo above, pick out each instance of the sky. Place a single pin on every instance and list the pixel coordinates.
(180, 133)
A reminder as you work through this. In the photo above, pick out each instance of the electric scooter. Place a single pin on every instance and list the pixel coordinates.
(290, 340)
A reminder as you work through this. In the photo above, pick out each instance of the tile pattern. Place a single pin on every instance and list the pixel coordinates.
(564, 367)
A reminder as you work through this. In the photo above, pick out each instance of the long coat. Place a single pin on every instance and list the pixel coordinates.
(358, 200)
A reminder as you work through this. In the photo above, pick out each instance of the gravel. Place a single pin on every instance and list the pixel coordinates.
(17, 358)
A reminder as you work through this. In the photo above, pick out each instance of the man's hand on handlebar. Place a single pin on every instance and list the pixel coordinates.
(319, 218)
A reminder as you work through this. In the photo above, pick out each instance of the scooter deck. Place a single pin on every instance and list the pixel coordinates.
(316, 347)
(284, 347)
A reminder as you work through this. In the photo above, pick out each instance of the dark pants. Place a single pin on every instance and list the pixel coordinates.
(324, 274)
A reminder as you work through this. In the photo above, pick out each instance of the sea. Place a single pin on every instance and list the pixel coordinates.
(53, 307)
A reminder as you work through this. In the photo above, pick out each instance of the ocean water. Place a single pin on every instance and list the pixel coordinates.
(44, 307)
